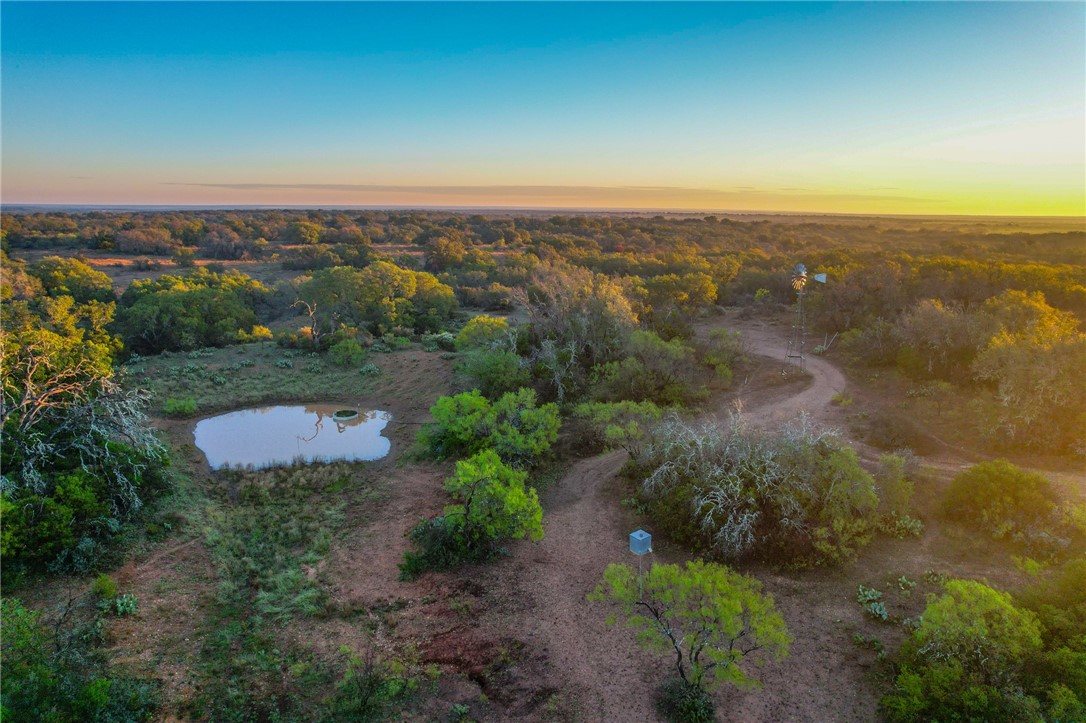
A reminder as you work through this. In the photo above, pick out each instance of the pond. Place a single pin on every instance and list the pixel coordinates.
(281, 435)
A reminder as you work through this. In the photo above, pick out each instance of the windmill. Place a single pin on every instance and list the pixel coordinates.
(799, 323)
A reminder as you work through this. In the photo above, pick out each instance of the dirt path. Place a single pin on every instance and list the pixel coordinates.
(825, 381)
(598, 665)
(601, 666)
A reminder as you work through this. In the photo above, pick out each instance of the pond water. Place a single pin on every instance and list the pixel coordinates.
(271, 436)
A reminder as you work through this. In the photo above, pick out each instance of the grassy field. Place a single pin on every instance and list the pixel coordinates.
(249, 374)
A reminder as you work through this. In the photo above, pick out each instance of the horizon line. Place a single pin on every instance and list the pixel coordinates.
(11, 207)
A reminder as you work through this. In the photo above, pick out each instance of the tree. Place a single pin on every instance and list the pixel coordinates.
(1032, 361)
(381, 297)
(513, 426)
(72, 277)
(708, 616)
(494, 502)
(495, 372)
(1014, 504)
(482, 332)
(78, 454)
(964, 661)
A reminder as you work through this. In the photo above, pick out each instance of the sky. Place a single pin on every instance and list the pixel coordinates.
(903, 108)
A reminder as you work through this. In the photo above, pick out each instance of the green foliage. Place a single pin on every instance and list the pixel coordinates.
(494, 502)
(894, 486)
(723, 350)
(71, 277)
(441, 341)
(1012, 504)
(684, 703)
(652, 369)
(104, 587)
(706, 617)
(371, 686)
(1033, 362)
(901, 527)
(482, 332)
(870, 600)
(610, 425)
(513, 426)
(495, 372)
(347, 353)
(54, 670)
(494, 505)
(184, 407)
(200, 309)
(381, 297)
(126, 604)
(965, 661)
(1058, 598)
(794, 493)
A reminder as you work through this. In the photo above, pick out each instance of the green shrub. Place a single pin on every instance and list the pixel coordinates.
(895, 488)
(482, 332)
(513, 426)
(104, 587)
(1009, 503)
(184, 407)
(493, 505)
(611, 425)
(55, 670)
(495, 372)
(901, 527)
(442, 341)
(681, 702)
(371, 686)
(369, 370)
(126, 604)
(795, 493)
(870, 600)
(966, 658)
(347, 353)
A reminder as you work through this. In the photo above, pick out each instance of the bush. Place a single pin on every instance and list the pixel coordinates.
(496, 372)
(370, 686)
(54, 670)
(347, 353)
(796, 493)
(104, 587)
(482, 332)
(901, 527)
(870, 600)
(1009, 503)
(965, 660)
(442, 341)
(513, 426)
(179, 407)
(493, 506)
(684, 703)
(610, 425)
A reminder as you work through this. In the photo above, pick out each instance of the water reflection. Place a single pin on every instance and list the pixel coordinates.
(271, 436)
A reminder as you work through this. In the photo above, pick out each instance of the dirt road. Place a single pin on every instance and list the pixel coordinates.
(586, 529)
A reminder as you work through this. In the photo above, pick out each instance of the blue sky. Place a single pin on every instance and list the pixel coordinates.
(905, 108)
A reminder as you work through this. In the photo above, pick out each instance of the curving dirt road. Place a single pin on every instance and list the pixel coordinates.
(611, 678)
(815, 400)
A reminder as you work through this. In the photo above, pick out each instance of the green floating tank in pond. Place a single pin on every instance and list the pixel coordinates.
(344, 414)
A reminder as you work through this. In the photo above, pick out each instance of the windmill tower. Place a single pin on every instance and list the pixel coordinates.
(799, 322)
